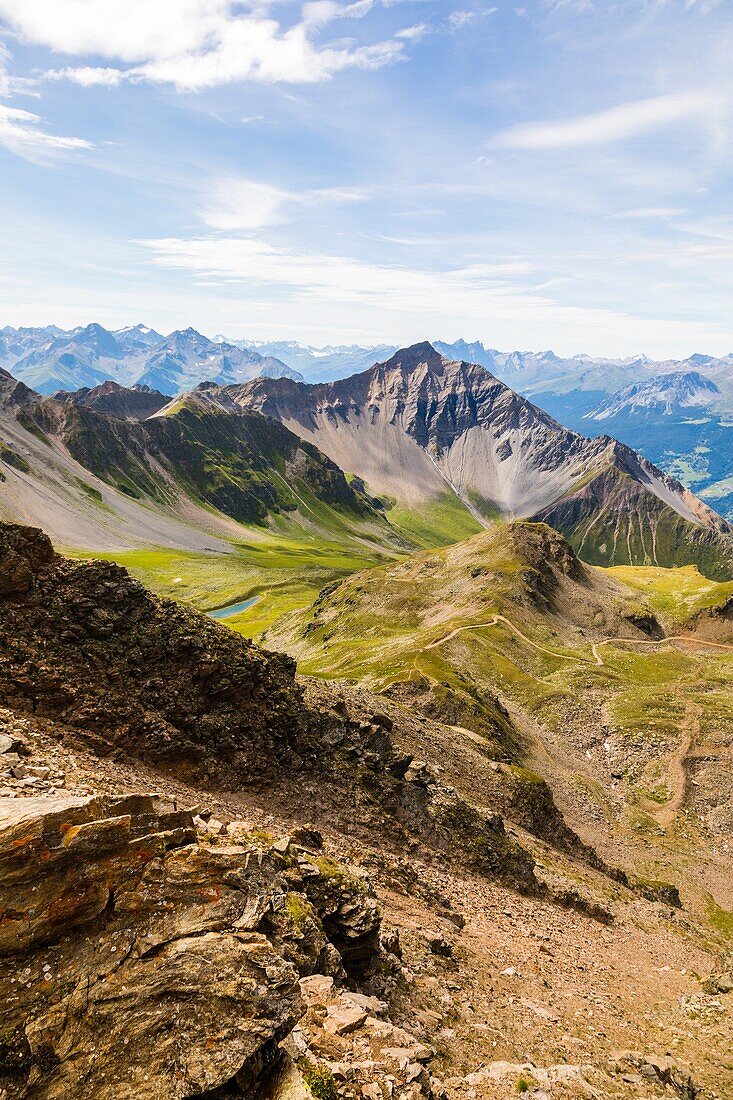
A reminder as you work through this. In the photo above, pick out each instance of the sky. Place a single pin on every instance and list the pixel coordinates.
(550, 174)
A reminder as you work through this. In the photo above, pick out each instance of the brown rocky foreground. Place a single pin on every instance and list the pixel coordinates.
(333, 896)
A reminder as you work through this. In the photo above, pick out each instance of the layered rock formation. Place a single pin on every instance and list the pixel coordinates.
(139, 961)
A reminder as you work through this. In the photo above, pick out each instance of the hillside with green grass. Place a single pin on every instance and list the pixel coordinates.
(282, 570)
(619, 700)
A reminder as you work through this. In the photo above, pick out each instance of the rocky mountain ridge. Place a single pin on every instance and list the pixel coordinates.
(96, 469)
(137, 402)
(419, 426)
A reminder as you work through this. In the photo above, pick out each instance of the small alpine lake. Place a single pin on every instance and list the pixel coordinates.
(233, 608)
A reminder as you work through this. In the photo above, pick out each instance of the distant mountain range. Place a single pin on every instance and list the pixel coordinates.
(50, 359)
(320, 364)
(662, 395)
(677, 413)
(418, 450)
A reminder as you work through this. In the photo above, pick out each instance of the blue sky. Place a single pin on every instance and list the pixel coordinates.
(556, 173)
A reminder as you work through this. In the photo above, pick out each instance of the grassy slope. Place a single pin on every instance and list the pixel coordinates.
(585, 723)
(675, 593)
(442, 521)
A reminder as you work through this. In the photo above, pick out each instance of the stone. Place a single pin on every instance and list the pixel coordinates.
(439, 945)
(372, 1005)
(342, 1019)
(719, 983)
(178, 989)
(419, 773)
(38, 770)
(307, 836)
(317, 989)
(372, 1091)
(382, 720)
(659, 1069)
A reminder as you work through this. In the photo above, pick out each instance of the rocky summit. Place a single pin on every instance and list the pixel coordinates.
(423, 430)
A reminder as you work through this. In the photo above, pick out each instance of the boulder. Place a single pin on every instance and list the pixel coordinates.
(132, 960)
(341, 1019)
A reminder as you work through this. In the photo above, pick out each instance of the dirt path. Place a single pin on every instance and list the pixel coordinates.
(677, 772)
(495, 619)
(689, 638)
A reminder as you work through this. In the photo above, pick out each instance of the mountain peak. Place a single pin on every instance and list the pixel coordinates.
(414, 356)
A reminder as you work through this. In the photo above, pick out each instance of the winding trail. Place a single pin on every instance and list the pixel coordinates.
(689, 727)
(493, 621)
(677, 778)
(689, 638)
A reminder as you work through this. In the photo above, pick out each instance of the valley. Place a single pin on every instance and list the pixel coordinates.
(480, 775)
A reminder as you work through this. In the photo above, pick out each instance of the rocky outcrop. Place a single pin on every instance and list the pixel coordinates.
(85, 644)
(142, 959)
(128, 403)
(131, 961)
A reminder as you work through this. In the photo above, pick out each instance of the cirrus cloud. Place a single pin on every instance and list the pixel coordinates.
(614, 124)
(20, 133)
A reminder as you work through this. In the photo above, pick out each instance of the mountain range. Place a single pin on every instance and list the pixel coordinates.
(418, 449)
(99, 470)
(50, 359)
(425, 431)
(685, 430)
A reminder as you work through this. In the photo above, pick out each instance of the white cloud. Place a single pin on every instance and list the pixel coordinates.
(394, 300)
(194, 44)
(235, 203)
(128, 30)
(244, 204)
(457, 20)
(643, 212)
(334, 278)
(414, 33)
(89, 76)
(20, 133)
(460, 19)
(716, 228)
(614, 124)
